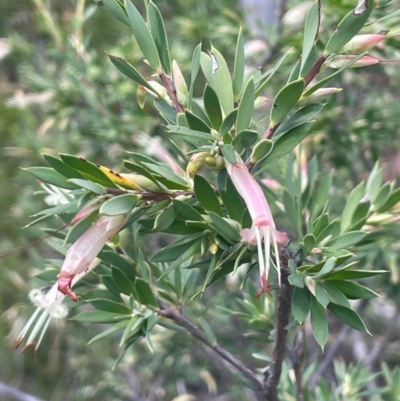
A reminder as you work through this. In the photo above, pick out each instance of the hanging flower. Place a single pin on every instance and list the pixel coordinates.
(263, 227)
(80, 259)
(86, 248)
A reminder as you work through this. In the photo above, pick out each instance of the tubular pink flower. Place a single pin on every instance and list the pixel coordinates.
(86, 248)
(263, 227)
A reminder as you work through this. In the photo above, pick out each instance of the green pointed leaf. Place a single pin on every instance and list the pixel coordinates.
(296, 279)
(213, 107)
(122, 262)
(352, 202)
(145, 293)
(349, 274)
(349, 317)
(222, 82)
(186, 211)
(347, 239)
(130, 71)
(143, 36)
(110, 306)
(232, 200)
(285, 101)
(50, 176)
(283, 145)
(301, 116)
(228, 122)
(246, 107)
(311, 26)
(117, 205)
(349, 26)
(230, 154)
(321, 295)
(238, 71)
(193, 74)
(88, 170)
(115, 8)
(88, 185)
(300, 304)
(327, 267)
(353, 290)
(264, 79)
(335, 295)
(227, 232)
(159, 35)
(197, 138)
(61, 167)
(164, 219)
(309, 242)
(121, 282)
(208, 332)
(392, 200)
(196, 123)
(261, 150)
(244, 139)
(319, 322)
(98, 317)
(206, 195)
(172, 251)
(207, 68)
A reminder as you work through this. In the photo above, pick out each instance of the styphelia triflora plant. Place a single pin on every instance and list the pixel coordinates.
(212, 193)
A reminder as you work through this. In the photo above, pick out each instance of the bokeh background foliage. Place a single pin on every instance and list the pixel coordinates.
(61, 94)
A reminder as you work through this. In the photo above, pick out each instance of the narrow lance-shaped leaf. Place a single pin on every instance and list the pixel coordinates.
(310, 32)
(159, 35)
(349, 26)
(222, 81)
(238, 71)
(115, 8)
(143, 36)
(50, 176)
(206, 195)
(246, 107)
(130, 71)
(319, 322)
(285, 101)
(213, 107)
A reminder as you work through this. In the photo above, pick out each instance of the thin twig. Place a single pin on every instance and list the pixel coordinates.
(182, 321)
(283, 316)
(171, 90)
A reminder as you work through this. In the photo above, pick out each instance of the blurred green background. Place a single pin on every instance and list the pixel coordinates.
(60, 93)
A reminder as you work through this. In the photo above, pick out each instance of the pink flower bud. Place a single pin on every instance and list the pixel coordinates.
(361, 43)
(340, 61)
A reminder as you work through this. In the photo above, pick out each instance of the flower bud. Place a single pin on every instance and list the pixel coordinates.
(340, 61)
(361, 43)
(319, 95)
(179, 80)
(196, 162)
(142, 182)
(215, 162)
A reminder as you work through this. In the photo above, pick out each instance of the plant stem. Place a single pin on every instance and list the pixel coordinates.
(283, 315)
(170, 87)
(182, 321)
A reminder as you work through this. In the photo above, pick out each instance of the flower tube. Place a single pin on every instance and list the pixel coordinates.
(263, 227)
(84, 250)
